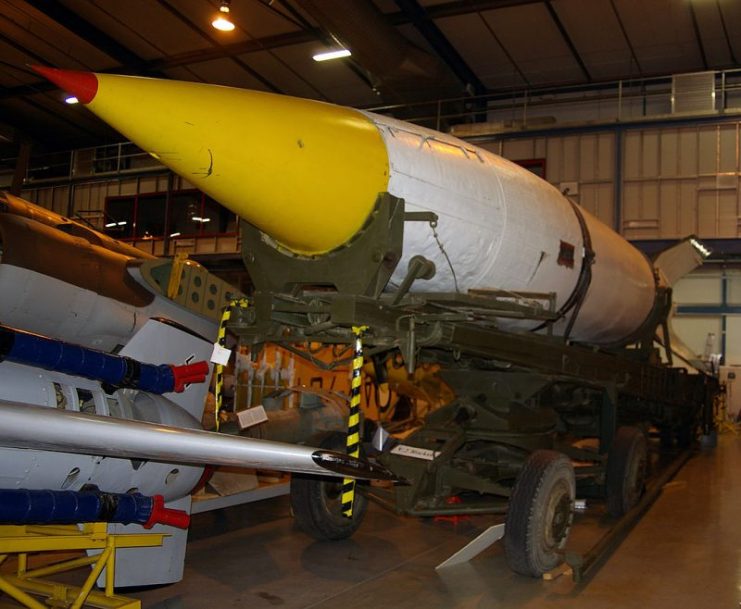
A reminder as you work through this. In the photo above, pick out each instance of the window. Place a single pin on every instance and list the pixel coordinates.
(187, 213)
(119, 217)
(217, 219)
(151, 216)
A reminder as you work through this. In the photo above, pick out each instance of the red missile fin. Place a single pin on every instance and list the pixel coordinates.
(83, 85)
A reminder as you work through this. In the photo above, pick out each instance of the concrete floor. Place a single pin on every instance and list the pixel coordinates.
(685, 552)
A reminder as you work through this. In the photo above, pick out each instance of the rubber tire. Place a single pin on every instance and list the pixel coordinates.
(543, 498)
(627, 464)
(315, 500)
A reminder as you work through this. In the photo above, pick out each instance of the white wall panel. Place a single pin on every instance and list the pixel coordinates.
(128, 187)
(669, 193)
(729, 148)
(733, 341)
(541, 146)
(632, 155)
(61, 200)
(727, 214)
(587, 159)
(734, 287)
(148, 184)
(598, 200)
(571, 154)
(694, 330)
(687, 209)
(606, 155)
(554, 164)
(631, 202)
(519, 149)
(698, 289)
(669, 164)
(707, 213)
(650, 202)
(685, 177)
(650, 154)
(687, 152)
(707, 138)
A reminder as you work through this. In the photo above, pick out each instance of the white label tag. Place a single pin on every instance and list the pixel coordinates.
(414, 452)
(251, 416)
(220, 355)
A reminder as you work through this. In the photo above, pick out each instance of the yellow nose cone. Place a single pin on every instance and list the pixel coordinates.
(304, 172)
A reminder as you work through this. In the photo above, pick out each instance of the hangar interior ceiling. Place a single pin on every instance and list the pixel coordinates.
(403, 50)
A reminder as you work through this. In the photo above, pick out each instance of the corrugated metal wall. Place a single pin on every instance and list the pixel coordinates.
(86, 201)
(675, 181)
(583, 165)
(709, 302)
(681, 180)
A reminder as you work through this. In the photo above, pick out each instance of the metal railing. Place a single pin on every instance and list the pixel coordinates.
(620, 100)
(515, 109)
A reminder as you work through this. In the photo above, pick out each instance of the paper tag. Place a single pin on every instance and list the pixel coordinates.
(414, 452)
(251, 416)
(220, 355)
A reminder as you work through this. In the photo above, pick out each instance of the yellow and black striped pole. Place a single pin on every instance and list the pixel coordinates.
(219, 368)
(353, 423)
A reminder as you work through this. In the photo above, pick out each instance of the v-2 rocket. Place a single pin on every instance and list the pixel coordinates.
(308, 173)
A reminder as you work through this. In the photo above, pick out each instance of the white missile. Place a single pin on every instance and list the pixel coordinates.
(308, 174)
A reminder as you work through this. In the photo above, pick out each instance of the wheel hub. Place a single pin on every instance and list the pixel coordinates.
(559, 521)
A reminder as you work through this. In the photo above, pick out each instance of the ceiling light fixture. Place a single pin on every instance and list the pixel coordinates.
(222, 21)
(71, 99)
(335, 54)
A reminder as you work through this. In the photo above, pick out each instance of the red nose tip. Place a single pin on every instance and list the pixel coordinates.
(83, 85)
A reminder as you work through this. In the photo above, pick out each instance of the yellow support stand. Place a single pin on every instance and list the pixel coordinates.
(25, 584)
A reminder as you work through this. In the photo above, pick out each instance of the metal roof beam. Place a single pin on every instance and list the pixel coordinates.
(567, 39)
(183, 59)
(229, 50)
(72, 22)
(625, 35)
(446, 51)
(325, 38)
(460, 7)
(698, 36)
(725, 33)
(214, 43)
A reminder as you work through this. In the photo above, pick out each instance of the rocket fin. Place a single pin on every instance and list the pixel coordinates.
(676, 261)
(672, 264)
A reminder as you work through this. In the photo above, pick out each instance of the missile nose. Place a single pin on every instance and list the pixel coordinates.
(352, 467)
(83, 85)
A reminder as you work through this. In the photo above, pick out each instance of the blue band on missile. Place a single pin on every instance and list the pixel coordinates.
(115, 370)
(21, 506)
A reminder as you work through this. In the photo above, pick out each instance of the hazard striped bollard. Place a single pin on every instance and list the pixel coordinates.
(353, 423)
